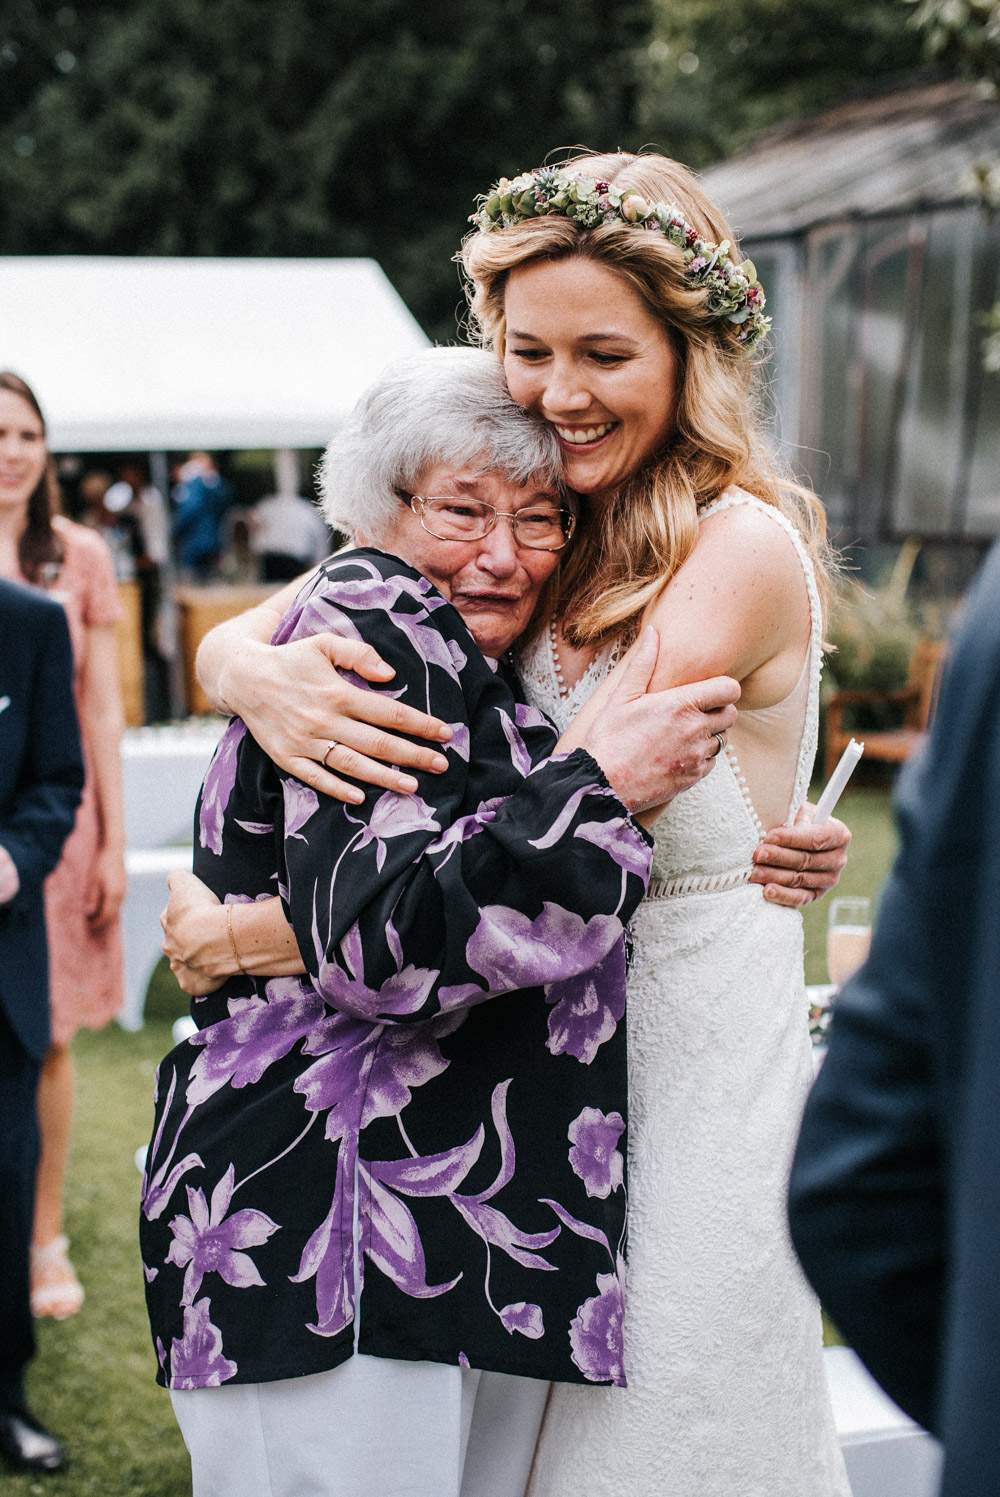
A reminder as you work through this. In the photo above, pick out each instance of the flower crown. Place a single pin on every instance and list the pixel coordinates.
(734, 293)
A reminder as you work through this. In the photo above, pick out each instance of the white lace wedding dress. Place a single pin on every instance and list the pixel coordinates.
(726, 1394)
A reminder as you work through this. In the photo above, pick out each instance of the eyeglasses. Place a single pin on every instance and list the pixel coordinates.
(540, 528)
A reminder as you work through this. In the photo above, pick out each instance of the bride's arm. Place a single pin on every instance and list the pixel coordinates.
(738, 607)
(295, 702)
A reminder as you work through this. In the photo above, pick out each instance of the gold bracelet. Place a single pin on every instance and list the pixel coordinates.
(232, 940)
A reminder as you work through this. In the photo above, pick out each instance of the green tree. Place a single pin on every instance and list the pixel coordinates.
(966, 33)
(716, 74)
(367, 127)
(313, 127)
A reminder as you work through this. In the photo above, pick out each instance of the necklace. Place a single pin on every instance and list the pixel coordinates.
(556, 666)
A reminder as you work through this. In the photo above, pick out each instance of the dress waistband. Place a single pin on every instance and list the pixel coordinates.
(697, 883)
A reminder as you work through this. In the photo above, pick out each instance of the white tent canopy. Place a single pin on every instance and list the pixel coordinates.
(155, 355)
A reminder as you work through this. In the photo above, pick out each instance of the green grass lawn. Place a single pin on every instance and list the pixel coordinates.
(93, 1379)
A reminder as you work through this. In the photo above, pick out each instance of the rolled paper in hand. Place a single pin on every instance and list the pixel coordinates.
(837, 781)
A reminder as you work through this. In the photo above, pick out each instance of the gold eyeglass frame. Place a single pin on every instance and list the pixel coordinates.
(417, 502)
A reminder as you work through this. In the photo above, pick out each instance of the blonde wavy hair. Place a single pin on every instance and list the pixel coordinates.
(627, 552)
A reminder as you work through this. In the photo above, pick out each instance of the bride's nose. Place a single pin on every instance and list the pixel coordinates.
(565, 392)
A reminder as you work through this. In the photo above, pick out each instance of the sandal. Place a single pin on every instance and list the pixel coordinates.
(55, 1288)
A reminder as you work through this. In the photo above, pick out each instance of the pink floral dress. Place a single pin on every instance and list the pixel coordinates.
(86, 970)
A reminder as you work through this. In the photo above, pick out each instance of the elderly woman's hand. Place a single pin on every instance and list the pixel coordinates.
(654, 744)
(800, 863)
(296, 703)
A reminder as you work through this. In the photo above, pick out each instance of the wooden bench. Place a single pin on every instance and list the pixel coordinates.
(916, 700)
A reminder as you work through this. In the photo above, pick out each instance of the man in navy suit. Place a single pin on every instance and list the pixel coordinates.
(41, 777)
(895, 1194)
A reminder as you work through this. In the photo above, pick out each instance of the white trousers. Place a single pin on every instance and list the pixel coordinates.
(369, 1428)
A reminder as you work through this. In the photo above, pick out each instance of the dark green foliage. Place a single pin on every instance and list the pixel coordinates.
(965, 32)
(313, 127)
(367, 127)
(722, 72)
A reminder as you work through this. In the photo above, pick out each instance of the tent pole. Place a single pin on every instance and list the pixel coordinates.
(286, 470)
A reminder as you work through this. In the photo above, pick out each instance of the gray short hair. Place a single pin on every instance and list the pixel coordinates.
(445, 406)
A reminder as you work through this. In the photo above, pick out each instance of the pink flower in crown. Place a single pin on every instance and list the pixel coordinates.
(698, 263)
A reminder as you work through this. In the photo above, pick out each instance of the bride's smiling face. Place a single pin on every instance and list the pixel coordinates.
(584, 352)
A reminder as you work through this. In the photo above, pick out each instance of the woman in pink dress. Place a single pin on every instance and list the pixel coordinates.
(84, 894)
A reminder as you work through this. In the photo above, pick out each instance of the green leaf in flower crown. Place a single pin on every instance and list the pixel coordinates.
(740, 315)
(749, 269)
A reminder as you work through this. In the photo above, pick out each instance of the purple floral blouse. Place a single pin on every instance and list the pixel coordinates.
(416, 1150)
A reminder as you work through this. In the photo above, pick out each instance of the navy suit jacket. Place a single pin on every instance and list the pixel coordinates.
(895, 1193)
(41, 777)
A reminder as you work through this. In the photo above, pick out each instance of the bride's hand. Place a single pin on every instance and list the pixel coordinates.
(800, 863)
(195, 938)
(296, 703)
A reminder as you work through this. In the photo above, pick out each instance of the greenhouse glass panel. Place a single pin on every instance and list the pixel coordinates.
(829, 386)
(931, 433)
(778, 268)
(885, 278)
(982, 490)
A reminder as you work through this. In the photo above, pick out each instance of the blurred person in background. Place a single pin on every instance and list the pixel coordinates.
(895, 1193)
(84, 894)
(41, 777)
(288, 535)
(201, 499)
(105, 511)
(142, 506)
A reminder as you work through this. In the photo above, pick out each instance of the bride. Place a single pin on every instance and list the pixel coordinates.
(608, 290)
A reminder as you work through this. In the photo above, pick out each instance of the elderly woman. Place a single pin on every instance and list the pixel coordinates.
(403, 1179)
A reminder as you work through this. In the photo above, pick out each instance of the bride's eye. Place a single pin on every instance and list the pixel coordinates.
(528, 355)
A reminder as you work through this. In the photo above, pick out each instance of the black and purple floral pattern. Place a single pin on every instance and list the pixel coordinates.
(417, 1150)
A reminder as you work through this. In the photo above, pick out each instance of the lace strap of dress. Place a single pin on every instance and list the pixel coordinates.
(810, 730)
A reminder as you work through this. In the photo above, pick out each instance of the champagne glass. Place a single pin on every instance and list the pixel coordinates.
(848, 938)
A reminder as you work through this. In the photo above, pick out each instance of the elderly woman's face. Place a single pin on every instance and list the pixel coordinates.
(494, 582)
(586, 354)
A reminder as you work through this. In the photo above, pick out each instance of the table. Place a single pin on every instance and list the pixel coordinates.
(162, 771)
